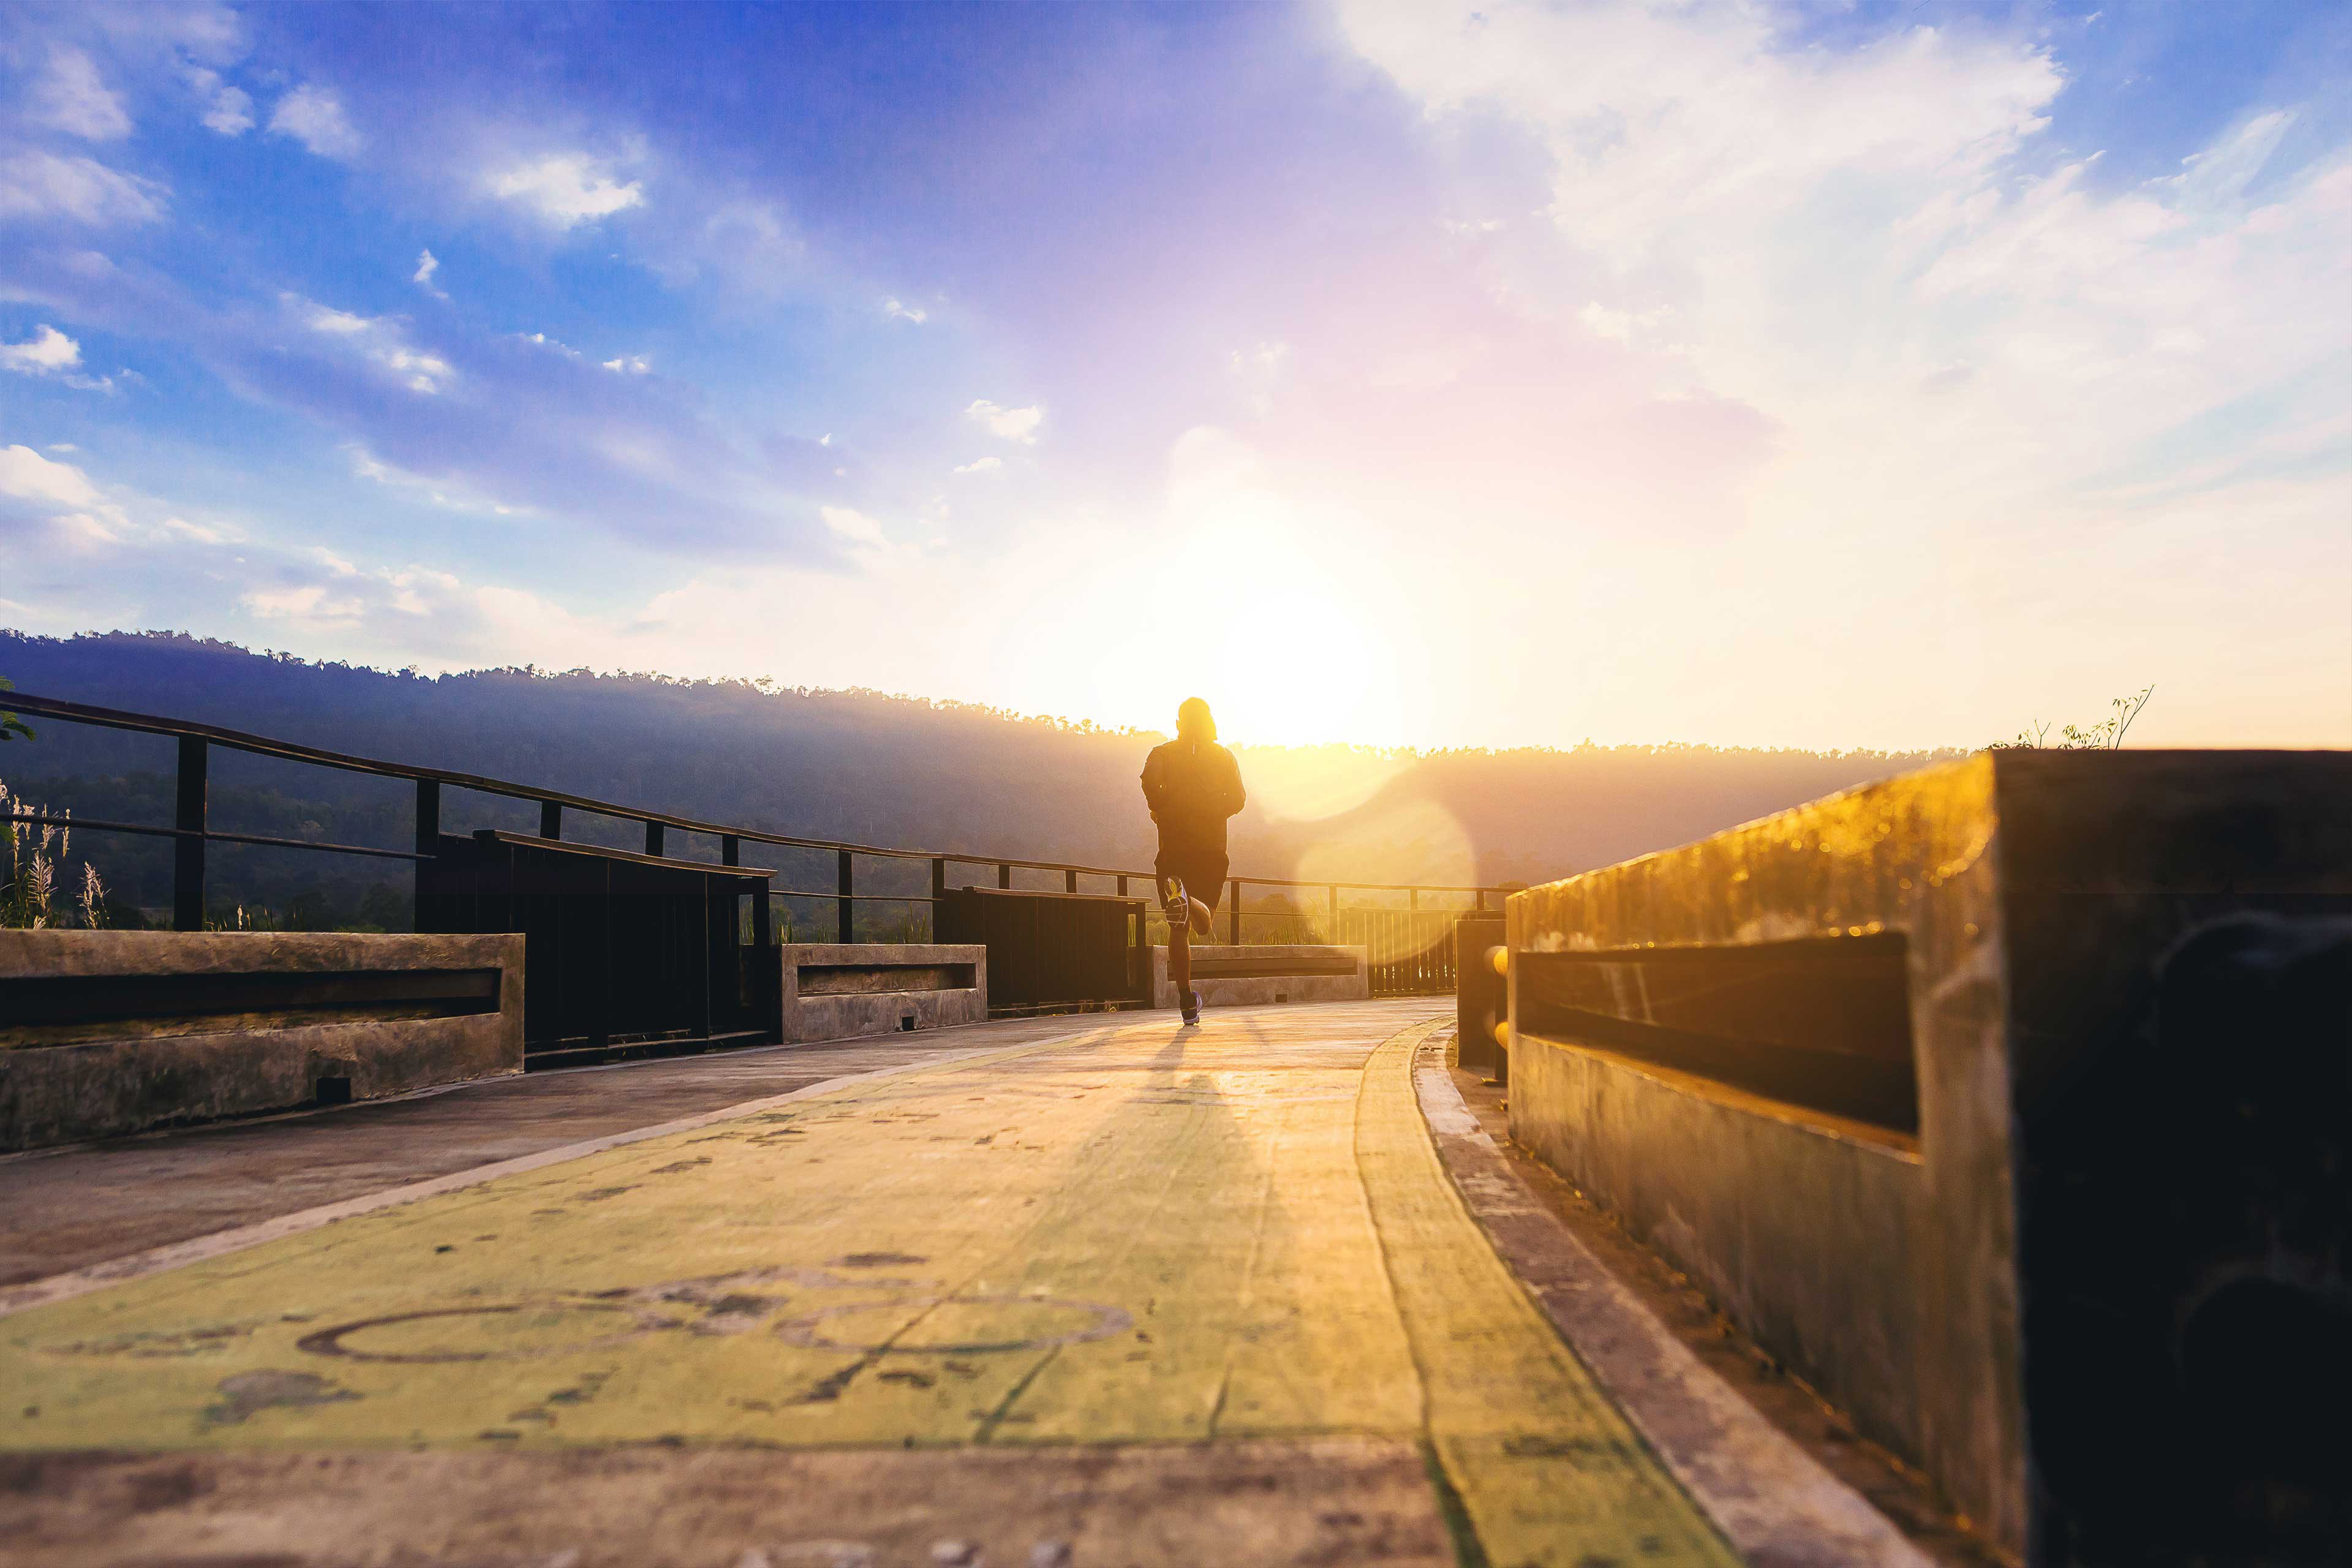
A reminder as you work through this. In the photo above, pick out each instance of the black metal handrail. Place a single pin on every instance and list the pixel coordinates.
(190, 832)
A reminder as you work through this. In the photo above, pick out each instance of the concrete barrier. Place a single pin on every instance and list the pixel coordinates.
(1978, 1096)
(1248, 977)
(107, 1032)
(833, 991)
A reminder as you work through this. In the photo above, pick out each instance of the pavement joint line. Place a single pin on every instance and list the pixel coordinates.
(1770, 1499)
(92, 1277)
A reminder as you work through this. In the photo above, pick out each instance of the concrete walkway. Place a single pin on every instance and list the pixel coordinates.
(1077, 1291)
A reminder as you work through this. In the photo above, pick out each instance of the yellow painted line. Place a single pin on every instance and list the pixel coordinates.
(1148, 1236)
(1547, 1468)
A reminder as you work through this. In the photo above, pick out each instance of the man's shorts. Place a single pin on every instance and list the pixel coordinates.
(1204, 871)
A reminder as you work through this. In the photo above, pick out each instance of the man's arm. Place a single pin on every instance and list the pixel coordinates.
(1235, 796)
(1155, 783)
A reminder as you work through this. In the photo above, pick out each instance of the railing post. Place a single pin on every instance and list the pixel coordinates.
(730, 849)
(1069, 881)
(939, 880)
(1334, 937)
(188, 852)
(654, 838)
(1233, 920)
(841, 919)
(428, 816)
(1005, 876)
(551, 820)
(1122, 887)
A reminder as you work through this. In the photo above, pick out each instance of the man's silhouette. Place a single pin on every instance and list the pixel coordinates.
(1193, 784)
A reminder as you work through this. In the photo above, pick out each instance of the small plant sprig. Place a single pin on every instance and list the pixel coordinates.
(30, 898)
(2106, 736)
(11, 726)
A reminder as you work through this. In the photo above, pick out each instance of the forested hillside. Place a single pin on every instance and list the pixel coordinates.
(850, 764)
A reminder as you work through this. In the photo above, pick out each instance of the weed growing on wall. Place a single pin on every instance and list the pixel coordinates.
(2104, 737)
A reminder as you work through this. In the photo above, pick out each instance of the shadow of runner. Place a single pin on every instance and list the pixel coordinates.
(1217, 1202)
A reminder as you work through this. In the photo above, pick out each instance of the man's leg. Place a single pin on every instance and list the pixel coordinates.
(1180, 945)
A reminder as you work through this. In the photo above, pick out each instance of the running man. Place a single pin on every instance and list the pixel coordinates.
(1193, 784)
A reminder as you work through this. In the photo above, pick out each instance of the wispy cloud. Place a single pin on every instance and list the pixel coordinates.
(71, 97)
(47, 350)
(899, 311)
(1012, 424)
(989, 464)
(81, 190)
(380, 340)
(314, 116)
(427, 264)
(228, 110)
(59, 500)
(853, 525)
(567, 189)
(447, 493)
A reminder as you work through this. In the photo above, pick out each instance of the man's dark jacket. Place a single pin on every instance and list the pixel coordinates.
(1192, 787)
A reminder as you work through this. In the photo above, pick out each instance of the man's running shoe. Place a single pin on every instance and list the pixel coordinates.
(1192, 1008)
(1174, 902)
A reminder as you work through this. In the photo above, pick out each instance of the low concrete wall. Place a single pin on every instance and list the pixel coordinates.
(1885, 1075)
(104, 1032)
(1249, 976)
(836, 991)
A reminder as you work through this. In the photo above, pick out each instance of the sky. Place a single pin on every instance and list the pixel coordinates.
(1862, 375)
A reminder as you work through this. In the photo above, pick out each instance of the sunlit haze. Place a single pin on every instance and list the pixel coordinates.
(1838, 374)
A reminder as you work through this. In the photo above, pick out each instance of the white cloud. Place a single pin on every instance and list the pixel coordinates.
(43, 184)
(449, 494)
(307, 605)
(981, 464)
(314, 117)
(1622, 326)
(63, 447)
(380, 340)
(230, 112)
(201, 534)
(898, 310)
(1012, 424)
(854, 526)
(427, 264)
(227, 110)
(336, 323)
(567, 189)
(25, 474)
(628, 365)
(1953, 345)
(46, 350)
(78, 516)
(85, 534)
(71, 97)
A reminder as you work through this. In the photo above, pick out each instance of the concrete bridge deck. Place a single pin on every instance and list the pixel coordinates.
(1070, 1292)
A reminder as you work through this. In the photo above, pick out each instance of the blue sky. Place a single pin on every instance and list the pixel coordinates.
(1837, 374)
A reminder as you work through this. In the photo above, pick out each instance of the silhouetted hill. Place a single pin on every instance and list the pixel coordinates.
(854, 764)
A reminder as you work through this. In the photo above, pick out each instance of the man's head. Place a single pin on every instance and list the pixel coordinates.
(1193, 722)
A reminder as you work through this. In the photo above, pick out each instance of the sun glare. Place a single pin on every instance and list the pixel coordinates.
(1288, 644)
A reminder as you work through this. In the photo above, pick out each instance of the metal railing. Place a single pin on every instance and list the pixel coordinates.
(1393, 932)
